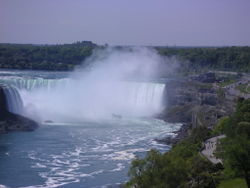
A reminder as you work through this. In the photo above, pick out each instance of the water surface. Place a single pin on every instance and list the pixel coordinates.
(89, 154)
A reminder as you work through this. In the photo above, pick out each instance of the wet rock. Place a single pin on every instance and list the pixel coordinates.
(13, 122)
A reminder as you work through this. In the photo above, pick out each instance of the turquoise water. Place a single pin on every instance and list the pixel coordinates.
(90, 154)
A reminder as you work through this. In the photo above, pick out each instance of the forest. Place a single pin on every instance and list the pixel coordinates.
(44, 57)
(67, 56)
(210, 58)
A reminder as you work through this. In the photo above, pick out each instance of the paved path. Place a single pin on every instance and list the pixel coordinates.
(210, 147)
(231, 89)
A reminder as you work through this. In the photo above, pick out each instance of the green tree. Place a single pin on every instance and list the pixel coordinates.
(157, 170)
(180, 167)
(236, 146)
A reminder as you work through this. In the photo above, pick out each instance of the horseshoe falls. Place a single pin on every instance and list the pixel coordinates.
(70, 101)
(92, 124)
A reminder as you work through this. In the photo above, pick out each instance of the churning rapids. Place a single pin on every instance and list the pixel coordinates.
(92, 123)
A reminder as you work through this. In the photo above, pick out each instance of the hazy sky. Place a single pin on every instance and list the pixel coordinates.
(126, 22)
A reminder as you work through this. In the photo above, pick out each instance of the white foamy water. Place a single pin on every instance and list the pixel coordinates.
(90, 154)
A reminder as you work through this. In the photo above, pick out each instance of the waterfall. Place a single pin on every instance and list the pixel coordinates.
(141, 97)
(30, 84)
(68, 99)
(14, 100)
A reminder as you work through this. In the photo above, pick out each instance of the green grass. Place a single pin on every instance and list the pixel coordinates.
(243, 88)
(233, 183)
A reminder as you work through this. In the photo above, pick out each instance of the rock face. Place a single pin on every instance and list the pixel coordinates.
(195, 103)
(10, 121)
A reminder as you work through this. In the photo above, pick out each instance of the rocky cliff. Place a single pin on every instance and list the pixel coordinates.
(10, 121)
(196, 101)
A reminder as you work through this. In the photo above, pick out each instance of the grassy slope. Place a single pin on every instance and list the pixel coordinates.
(233, 183)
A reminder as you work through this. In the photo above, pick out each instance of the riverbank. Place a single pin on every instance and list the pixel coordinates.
(179, 135)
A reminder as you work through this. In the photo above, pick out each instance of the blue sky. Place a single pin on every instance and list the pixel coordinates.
(126, 22)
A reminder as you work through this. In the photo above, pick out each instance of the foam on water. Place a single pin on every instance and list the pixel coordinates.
(120, 166)
(88, 156)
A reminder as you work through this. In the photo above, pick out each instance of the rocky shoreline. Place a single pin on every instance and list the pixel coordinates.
(179, 135)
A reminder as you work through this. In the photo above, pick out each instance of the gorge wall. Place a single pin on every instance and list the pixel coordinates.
(196, 102)
(9, 106)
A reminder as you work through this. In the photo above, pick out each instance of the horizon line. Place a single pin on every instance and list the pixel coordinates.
(126, 45)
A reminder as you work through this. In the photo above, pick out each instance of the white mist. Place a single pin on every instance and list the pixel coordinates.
(115, 83)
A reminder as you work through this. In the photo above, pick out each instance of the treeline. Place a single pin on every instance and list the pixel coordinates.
(221, 58)
(44, 57)
(66, 56)
(183, 165)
